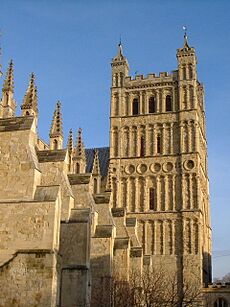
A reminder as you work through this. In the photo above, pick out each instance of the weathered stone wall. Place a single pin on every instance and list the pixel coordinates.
(29, 279)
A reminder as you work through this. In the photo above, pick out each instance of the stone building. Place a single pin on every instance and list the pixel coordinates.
(74, 219)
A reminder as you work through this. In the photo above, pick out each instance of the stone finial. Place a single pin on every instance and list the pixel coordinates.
(8, 85)
(70, 144)
(30, 104)
(56, 129)
(96, 164)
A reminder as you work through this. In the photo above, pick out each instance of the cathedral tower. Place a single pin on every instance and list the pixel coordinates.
(158, 163)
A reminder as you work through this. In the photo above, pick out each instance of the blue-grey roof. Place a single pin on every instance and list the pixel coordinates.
(103, 154)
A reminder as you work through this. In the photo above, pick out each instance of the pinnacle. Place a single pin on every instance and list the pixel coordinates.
(80, 150)
(30, 98)
(96, 164)
(9, 80)
(56, 127)
(70, 142)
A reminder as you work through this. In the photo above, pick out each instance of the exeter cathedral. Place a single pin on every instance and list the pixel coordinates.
(74, 222)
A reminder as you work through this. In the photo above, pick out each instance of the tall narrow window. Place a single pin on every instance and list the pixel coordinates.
(158, 144)
(152, 199)
(152, 105)
(168, 102)
(190, 71)
(77, 168)
(142, 147)
(135, 106)
(55, 144)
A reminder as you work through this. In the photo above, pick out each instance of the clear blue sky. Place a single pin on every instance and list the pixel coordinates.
(69, 46)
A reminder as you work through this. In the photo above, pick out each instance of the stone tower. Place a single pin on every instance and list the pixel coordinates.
(158, 163)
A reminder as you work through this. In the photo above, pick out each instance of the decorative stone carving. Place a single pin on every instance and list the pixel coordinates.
(142, 168)
(167, 167)
(155, 167)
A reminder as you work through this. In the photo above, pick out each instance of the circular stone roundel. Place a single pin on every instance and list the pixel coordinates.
(142, 168)
(155, 167)
(189, 165)
(167, 167)
(130, 169)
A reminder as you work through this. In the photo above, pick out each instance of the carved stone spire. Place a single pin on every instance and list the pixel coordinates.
(108, 181)
(56, 131)
(96, 173)
(70, 147)
(96, 164)
(8, 104)
(30, 103)
(8, 84)
(80, 150)
(70, 144)
(79, 158)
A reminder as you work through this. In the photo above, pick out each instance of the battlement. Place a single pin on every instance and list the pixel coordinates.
(153, 78)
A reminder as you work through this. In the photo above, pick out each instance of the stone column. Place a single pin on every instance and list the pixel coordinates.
(137, 195)
(166, 190)
(173, 237)
(174, 192)
(191, 192)
(171, 139)
(163, 139)
(128, 194)
(197, 139)
(138, 141)
(181, 137)
(147, 140)
(146, 203)
(158, 193)
(158, 102)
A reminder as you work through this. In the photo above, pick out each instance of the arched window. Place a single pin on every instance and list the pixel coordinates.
(220, 302)
(135, 106)
(142, 147)
(77, 168)
(152, 199)
(168, 103)
(152, 105)
(55, 144)
(27, 113)
(158, 144)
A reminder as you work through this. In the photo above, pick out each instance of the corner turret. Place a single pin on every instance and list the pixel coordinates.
(7, 103)
(187, 75)
(56, 131)
(187, 60)
(120, 68)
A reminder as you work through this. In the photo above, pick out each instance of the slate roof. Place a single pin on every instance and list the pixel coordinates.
(103, 154)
